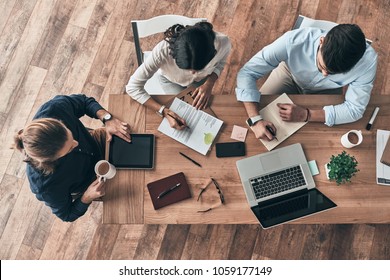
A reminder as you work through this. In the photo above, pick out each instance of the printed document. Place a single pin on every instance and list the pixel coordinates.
(203, 128)
(283, 129)
(382, 170)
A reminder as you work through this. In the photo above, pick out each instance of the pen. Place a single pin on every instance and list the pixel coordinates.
(167, 191)
(187, 157)
(178, 121)
(271, 131)
(372, 119)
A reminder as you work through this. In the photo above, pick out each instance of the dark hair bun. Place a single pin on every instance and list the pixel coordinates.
(192, 47)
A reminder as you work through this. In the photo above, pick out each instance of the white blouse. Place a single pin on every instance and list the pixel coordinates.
(160, 60)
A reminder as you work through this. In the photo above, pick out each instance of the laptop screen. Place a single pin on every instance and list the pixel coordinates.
(291, 206)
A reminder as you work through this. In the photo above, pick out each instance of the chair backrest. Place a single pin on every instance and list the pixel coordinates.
(148, 27)
(303, 21)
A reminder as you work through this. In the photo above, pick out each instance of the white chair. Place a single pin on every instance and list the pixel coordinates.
(145, 28)
(303, 22)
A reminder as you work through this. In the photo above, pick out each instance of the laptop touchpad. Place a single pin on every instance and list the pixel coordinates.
(271, 162)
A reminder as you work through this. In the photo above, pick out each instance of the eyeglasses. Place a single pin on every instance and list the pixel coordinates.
(221, 197)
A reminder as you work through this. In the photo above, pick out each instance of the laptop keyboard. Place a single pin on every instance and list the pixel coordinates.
(278, 182)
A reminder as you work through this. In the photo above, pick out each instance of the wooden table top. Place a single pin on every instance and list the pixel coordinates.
(127, 199)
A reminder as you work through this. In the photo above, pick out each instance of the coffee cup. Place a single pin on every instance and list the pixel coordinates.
(105, 170)
(352, 138)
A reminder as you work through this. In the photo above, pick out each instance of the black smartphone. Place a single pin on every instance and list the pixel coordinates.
(230, 149)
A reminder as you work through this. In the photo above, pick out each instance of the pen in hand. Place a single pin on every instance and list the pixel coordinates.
(177, 120)
(168, 190)
(269, 128)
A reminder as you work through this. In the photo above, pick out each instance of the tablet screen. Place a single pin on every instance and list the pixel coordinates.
(139, 154)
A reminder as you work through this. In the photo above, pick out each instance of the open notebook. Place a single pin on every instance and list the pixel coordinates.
(284, 129)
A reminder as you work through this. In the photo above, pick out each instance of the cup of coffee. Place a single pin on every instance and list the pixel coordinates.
(105, 170)
(352, 138)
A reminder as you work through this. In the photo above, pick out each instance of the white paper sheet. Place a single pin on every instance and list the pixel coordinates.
(203, 128)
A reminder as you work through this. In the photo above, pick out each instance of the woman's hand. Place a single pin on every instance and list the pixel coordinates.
(202, 94)
(118, 128)
(95, 190)
(174, 120)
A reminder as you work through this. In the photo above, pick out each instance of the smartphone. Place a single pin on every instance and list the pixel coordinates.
(230, 149)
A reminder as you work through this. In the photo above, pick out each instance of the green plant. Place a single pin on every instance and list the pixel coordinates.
(342, 167)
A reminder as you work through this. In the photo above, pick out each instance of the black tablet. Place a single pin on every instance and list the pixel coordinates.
(139, 154)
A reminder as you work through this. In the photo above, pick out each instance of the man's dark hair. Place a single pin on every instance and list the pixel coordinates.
(192, 47)
(343, 47)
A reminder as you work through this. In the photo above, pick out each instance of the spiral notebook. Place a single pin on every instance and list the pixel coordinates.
(179, 193)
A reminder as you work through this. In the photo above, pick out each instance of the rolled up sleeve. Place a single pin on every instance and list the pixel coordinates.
(258, 66)
(356, 99)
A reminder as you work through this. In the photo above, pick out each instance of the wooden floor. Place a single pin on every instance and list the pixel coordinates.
(49, 47)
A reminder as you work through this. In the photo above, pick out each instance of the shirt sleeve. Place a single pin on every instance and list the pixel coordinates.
(54, 191)
(258, 66)
(356, 99)
(79, 104)
(136, 85)
(225, 47)
(63, 206)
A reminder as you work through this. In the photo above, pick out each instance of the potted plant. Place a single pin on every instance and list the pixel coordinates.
(342, 167)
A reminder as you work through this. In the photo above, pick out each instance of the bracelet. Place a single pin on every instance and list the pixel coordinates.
(308, 115)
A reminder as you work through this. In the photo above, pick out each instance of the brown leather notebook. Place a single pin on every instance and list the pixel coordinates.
(385, 159)
(185, 96)
(167, 191)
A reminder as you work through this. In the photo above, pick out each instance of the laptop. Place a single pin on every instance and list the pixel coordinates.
(279, 186)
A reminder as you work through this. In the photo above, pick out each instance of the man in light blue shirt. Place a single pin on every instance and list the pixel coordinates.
(310, 60)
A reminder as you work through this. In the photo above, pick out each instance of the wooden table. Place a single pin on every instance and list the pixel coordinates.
(363, 201)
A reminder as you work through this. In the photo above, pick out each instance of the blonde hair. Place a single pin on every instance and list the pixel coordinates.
(40, 141)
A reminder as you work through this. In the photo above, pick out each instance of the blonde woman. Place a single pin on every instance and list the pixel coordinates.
(61, 153)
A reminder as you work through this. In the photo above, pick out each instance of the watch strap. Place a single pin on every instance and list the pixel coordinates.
(253, 120)
(161, 111)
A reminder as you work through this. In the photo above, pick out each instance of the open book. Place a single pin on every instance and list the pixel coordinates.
(284, 129)
(203, 128)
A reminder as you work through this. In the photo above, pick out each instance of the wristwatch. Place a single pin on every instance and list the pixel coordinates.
(253, 120)
(160, 111)
(106, 117)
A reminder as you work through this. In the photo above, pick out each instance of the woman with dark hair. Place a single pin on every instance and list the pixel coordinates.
(188, 56)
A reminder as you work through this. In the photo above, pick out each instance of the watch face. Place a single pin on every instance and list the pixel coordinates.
(249, 122)
(107, 117)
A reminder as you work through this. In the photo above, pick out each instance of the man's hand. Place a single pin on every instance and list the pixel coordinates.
(118, 128)
(261, 132)
(95, 190)
(292, 112)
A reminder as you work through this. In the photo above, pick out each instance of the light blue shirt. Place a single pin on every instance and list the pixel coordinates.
(298, 49)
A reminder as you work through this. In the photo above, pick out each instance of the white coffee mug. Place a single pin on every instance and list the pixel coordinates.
(105, 170)
(352, 138)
